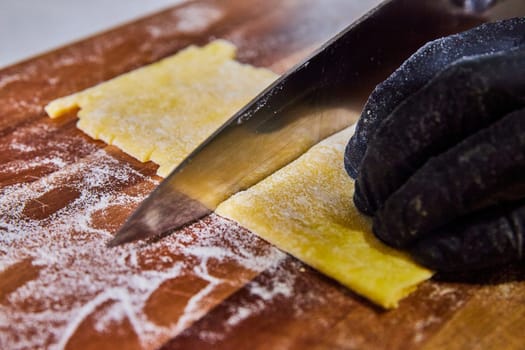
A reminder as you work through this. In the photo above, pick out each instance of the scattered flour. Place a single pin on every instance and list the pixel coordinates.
(78, 275)
(282, 286)
(193, 18)
(197, 18)
(8, 79)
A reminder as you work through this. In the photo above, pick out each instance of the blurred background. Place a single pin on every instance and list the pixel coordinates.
(30, 27)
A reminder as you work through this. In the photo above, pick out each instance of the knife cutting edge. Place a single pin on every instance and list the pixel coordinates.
(312, 101)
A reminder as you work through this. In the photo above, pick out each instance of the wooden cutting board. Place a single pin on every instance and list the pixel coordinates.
(214, 285)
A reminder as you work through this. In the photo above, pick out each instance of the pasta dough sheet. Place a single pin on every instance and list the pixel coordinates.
(306, 210)
(163, 111)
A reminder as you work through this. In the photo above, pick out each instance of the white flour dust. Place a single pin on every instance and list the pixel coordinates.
(193, 18)
(78, 276)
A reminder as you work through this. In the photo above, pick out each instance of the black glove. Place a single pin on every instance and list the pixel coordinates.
(439, 152)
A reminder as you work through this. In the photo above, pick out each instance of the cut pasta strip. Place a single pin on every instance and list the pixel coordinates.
(306, 210)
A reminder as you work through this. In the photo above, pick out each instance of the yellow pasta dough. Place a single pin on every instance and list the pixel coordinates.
(165, 110)
(306, 210)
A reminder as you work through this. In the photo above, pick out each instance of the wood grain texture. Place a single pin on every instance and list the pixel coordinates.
(278, 304)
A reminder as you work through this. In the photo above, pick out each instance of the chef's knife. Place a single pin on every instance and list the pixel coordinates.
(315, 99)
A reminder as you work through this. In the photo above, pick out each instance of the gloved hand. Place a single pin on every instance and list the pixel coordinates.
(439, 152)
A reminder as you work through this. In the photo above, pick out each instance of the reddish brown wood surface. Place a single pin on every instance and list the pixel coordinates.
(219, 285)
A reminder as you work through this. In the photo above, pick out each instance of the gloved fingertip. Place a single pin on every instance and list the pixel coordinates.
(361, 203)
(353, 156)
(431, 256)
(384, 233)
(447, 254)
(351, 171)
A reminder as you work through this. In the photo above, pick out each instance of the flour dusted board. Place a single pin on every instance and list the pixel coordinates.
(287, 306)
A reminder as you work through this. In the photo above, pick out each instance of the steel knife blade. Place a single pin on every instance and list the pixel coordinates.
(315, 99)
